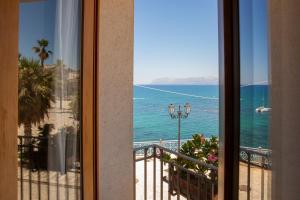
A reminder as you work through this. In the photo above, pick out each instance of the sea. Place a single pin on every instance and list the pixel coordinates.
(152, 121)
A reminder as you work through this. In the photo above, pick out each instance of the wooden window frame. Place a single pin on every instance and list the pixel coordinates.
(9, 11)
(9, 23)
(229, 75)
(229, 109)
(89, 99)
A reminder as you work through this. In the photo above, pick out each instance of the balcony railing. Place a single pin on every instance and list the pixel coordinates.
(255, 173)
(168, 178)
(45, 169)
(48, 169)
(156, 177)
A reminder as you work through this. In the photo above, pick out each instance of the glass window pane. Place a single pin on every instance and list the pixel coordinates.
(176, 98)
(49, 133)
(255, 113)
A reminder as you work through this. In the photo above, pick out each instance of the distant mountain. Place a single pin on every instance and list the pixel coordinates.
(208, 80)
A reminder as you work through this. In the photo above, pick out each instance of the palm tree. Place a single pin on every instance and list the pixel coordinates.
(41, 50)
(36, 93)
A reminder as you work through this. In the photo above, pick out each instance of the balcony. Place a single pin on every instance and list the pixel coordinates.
(157, 175)
(45, 170)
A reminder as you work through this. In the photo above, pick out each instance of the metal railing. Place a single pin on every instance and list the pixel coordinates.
(40, 179)
(260, 159)
(169, 144)
(44, 170)
(182, 182)
(191, 185)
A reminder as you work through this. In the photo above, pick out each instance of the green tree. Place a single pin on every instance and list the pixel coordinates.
(41, 50)
(36, 93)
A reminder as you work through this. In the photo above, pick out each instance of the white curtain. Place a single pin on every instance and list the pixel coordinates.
(67, 42)
(67, 58)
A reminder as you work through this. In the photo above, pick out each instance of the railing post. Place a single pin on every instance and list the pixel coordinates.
(169, 185)
(262, 178)
(154, 173)
(21, 166)
(248, 175)
(188, 186)
(39, 183)
(48, 185)
(198, 187)
(145, 173)
(161, 174)
(30, 166)
(57, 186)
(213, 182)
(178, 183)
(134, 176)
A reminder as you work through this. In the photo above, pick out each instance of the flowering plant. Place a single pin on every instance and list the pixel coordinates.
(202, 149)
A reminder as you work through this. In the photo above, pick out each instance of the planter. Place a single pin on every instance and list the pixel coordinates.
(199, 187)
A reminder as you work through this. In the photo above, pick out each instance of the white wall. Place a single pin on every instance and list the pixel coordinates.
(284, 16)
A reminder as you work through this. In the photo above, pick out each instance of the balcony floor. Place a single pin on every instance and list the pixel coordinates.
(256, 175)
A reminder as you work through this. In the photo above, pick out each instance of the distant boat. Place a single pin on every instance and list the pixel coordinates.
(262, 109)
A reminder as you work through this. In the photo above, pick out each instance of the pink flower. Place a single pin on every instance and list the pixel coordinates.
(212, 158)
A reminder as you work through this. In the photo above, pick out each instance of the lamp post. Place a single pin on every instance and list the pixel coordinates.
(178, 115)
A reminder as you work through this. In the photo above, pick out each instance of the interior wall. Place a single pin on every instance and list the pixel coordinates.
(115, 87)
(284, 50)
(8, 98)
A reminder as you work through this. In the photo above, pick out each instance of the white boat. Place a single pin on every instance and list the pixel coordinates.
(262, 109)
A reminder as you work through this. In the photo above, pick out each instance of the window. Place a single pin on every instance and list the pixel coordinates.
(255, 105)
(176, 99)
(49, 134)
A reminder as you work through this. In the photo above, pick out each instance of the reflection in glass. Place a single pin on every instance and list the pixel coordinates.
(49, 100)
(255, 109)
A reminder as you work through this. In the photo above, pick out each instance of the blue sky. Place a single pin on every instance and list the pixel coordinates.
(59, 23)
(37, 21)
(175, 39)
(253, 41)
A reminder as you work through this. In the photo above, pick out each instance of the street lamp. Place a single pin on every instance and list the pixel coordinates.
(178, 115)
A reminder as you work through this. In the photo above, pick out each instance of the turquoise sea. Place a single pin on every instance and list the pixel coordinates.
(152, 121)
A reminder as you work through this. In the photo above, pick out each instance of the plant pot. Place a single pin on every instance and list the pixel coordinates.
(198, 187)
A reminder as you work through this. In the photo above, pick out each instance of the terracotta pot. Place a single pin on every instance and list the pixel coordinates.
(199, 187)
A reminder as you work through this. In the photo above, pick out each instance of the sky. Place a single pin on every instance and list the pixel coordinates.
(59, 22)
(175, 41)
(37, 21)
(253, 41)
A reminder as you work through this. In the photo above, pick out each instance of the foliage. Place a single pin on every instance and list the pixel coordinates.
(202, 149)
(41, 50)
(166, 157)
(36, 92)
